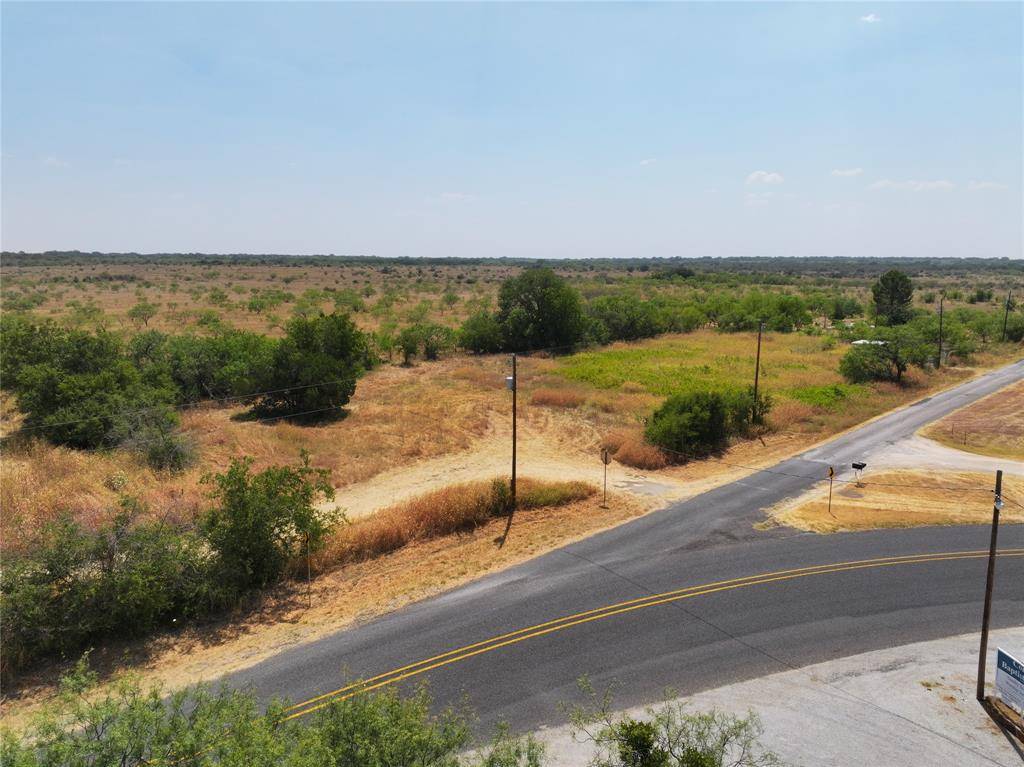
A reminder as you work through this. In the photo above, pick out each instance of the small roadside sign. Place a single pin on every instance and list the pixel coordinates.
(1010, 680)
(606, 457)
(831, 472)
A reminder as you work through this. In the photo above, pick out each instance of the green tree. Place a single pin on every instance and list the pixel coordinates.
(409, 341)
(538, 309)
(624, 318)
(892, 352)
(481, 334)
(261, 521)
(142, 312)
(893, 294)
(315, 366)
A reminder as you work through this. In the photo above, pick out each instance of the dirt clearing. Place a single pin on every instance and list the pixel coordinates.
(903, 499)
(991, 426)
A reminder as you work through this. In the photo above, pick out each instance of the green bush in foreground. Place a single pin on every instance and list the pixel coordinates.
(261, 521)
(668, 736)
(133, 727)
(73, 586)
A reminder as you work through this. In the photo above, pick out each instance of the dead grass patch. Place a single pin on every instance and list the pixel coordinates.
(902, 499)
(452, 509)
(991, 426)
(566, 398)
(640, 454)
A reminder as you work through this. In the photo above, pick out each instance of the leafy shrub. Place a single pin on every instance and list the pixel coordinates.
(624, 318)
(689, 425)
(134, 726)
(481, 334)
(315, 366)
(261, 521)
(82, 396)
(229, 363)
(669, 736)
(72, 586)
(436, 339)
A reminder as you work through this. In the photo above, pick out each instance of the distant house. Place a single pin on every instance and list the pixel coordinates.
(867, 342)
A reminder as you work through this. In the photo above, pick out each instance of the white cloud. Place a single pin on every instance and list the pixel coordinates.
(981, 186)
(871, 18)
(913, 185)
(764, 177)
(52, 161)
(847, 171)
(648, 161)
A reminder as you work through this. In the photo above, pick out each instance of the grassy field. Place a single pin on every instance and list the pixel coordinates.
(401, 415)
(904, 499)
(200, 296)
(992, 426)
(799, 372)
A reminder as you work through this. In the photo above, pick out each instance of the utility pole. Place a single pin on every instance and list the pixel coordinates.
(512, 383)
(989, 582)
(757, 371)
(309, 577)
(515, 387)
(1006, 314)
(938, 362)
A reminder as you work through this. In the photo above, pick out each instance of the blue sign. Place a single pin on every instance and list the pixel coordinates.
(1010, 680)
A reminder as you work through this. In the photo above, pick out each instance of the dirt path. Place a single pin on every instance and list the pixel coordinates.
(539, 456)
(919, 451)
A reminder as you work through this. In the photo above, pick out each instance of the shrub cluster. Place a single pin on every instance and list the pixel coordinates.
(135, 727)
(698, 423)
(74, 586)
(92, 390)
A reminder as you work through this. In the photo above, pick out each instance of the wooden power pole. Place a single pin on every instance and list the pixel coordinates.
(989, 583)
(757, 371)
(1006, 314)
(515, 387)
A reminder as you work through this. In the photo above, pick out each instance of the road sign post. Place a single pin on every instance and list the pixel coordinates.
(831, 476)
(606, 458)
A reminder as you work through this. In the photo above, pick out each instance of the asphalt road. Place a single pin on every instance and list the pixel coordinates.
(520, 656)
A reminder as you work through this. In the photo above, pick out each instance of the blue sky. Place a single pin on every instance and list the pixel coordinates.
(530, 130)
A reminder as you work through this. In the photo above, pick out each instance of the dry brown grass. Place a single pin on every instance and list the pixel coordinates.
(397, 416)
(991, 426)
(628, 447)
(452, 509)
(549, 397)
(903, 499)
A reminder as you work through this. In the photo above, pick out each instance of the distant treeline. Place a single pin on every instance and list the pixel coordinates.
(840, 266)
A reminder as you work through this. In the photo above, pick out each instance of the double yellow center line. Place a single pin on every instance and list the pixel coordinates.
(576, 619)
